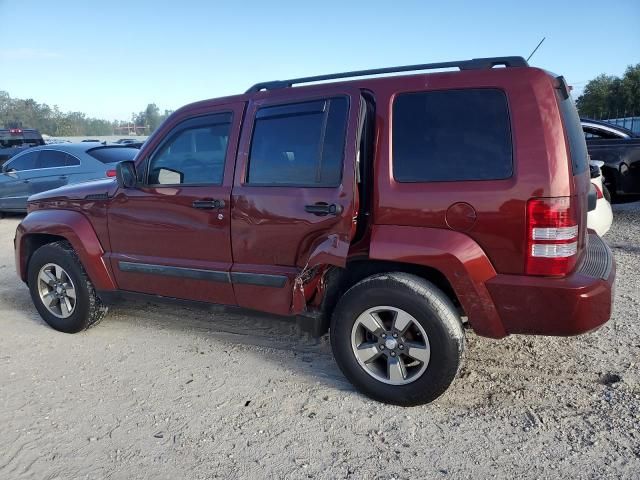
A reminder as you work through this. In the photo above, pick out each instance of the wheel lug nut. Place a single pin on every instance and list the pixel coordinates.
(381, 347)
(401, 347)
(384, 335)
(393, 354)
(395, 335)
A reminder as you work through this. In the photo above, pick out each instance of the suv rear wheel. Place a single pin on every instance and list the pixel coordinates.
(61, 291)
(397, 338)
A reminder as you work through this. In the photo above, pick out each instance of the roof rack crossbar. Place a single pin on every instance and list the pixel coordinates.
(473, 64)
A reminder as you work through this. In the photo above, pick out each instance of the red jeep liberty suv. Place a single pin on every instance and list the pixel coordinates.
(389, 211)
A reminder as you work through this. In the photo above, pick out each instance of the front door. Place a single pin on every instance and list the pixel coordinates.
(16, 181)
(294, 198)
(170, 235)
(55, 170)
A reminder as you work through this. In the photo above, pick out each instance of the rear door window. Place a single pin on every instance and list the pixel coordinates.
(299, 144)
(452, 135)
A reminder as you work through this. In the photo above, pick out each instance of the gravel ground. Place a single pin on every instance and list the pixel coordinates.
(159, 391)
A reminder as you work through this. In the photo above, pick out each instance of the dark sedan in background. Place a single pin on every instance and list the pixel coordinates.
(16, 140)
(51, 166)
(619, 149)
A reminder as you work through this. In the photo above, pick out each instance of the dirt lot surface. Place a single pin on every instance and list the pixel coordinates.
(159, 391)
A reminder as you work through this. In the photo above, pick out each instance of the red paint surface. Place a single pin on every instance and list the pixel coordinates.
(266, 230)
(74, 227)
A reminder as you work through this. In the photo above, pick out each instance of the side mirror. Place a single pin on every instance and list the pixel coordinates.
(7, 170)
(126, 174)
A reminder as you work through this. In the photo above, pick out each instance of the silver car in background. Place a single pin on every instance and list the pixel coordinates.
(51, 166)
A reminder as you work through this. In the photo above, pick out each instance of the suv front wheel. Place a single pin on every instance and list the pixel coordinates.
(61, 290)
(397, 338)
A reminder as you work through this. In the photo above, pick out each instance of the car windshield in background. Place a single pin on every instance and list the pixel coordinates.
(113, 154)
(8, 143)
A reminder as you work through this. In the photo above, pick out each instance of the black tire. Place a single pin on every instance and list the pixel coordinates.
(430, 307)
(88, 311)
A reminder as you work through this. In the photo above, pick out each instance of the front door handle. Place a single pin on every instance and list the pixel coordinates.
(63, 177)
(323, 208)
(208, 204)
(26, 181)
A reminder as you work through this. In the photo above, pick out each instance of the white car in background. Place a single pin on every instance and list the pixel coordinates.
(601, 218)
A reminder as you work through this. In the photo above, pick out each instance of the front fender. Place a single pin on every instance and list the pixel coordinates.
(459, 258)
(77, 230)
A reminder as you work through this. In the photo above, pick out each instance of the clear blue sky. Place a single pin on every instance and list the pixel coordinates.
(109, 61)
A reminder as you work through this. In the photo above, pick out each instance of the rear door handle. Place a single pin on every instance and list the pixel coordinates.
(208, 204)
(26, 181)
(323, 208)
(63, 177)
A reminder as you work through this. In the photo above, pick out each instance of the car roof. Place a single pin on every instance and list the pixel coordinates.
(75, 148)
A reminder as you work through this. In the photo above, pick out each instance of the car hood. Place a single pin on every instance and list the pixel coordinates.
(103, 188)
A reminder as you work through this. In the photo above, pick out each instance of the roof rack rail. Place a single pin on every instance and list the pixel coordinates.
(473, 64)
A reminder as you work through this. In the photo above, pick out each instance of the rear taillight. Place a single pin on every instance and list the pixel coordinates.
(598, 192)
(111, 173)
(552, 236)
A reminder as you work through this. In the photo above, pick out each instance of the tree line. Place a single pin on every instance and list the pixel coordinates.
(606, 96)
(609, 96)
(27, 113)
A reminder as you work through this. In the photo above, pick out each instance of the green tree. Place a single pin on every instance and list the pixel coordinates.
(611, 96)
(28, 113)
(152, 114)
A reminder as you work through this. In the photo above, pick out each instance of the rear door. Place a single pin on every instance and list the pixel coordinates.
(294, 200)
(55, 170)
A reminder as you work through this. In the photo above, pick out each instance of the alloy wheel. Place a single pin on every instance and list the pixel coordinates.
(390, 345)
(57, 291)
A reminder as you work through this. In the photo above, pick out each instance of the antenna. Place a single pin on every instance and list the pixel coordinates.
(535, 49)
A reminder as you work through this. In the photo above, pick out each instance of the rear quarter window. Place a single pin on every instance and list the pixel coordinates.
(575, 135)
(452, 135)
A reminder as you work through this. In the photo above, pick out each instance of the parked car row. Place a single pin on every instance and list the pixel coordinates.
(51, 166)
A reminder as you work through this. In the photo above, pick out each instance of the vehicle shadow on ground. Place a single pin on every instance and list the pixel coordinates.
(273, 337)
(505, 373)
(484, 381)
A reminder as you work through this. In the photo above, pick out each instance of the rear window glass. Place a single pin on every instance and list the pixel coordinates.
(23, 139)
(113, 154)
(575, 135)
(452, 135)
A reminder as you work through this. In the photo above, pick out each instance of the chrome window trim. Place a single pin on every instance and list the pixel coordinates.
(605, 128)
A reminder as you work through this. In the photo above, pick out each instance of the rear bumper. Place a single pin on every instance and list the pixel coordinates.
(565, 306)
